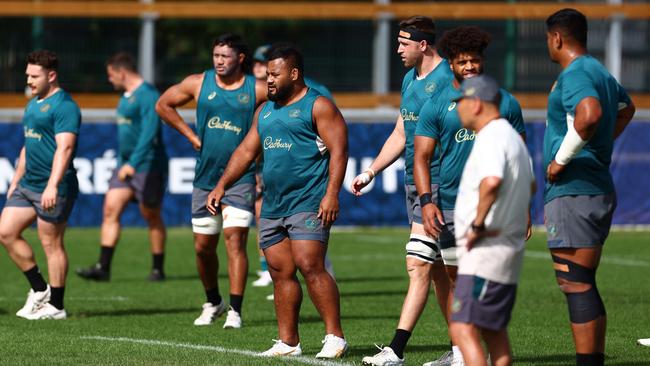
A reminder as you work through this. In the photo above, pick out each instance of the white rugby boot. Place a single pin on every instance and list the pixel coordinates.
(386, 357)
(263, 280)
(35, 299)
(233, 320)
(333, 347)
(47, 311)
(444, 360)
(280, 349)
(210, 313)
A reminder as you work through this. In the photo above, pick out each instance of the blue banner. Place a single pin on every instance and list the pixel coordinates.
(382, 204)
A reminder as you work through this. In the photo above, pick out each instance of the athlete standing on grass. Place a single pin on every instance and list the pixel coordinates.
(429, 73)
(141, 170)
(440, 126)
(44, 187)
(226, 99)
(304, 141)
(587, 110)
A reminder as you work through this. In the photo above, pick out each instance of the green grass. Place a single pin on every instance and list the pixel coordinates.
(369, 264)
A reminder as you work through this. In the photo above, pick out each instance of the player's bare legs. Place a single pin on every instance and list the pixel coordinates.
(442, 286)
(207, 262)
(114, 203)
(157, 231)
(309, 256)
(468, 338)
(498, 346)
(51, 237)
(286, 289)
(236, 239)
(13, 221)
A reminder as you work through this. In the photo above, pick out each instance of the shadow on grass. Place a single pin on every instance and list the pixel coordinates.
(3, 312)
(433, 349)
(370, 279)
(374, 293)
(133, 312)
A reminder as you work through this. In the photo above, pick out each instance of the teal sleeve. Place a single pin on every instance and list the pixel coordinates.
(149, 133)
(576, 86)
(428, 124)
(67, 118)
(623, 97)
(514, 115)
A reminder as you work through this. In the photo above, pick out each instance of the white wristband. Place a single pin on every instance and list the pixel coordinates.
(364, 177)
(571, 145)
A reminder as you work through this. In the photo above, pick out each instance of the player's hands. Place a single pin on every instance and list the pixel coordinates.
(329, 209)
(432, 219)
(48, 198)
(196, 142)
(553, 171)
(529, 230)
(360, 181)
(213, 203)
(11, 189)
(474, 237)
(125, 172)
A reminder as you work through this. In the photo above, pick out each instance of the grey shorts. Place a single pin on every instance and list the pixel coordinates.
(413, 209)
(486, 304)
(579, 221)
(301, 226)
(241, 196)
(23, 197)
(447, 237)
(148, 188)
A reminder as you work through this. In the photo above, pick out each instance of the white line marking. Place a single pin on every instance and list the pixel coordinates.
(243, 352)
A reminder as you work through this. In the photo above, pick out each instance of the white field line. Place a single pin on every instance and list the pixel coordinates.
(528, 253)
(199, 347)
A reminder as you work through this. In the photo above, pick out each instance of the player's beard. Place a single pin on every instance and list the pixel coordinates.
(281, 93)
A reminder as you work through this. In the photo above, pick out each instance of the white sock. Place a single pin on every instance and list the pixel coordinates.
(457, 354)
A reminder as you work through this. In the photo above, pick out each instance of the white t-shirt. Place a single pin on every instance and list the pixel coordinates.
(498, 151)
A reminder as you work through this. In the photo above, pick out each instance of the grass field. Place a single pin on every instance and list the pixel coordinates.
(130, 321)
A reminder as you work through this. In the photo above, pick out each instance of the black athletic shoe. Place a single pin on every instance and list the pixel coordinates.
(156, 275)
(94, 272)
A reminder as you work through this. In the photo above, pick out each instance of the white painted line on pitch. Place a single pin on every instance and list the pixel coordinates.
(243, 352)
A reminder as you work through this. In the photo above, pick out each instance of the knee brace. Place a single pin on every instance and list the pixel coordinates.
(583, 306)
(423, 248)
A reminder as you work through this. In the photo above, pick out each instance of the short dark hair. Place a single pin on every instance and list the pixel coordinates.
(466, 39)
(237, 43)
(44, 58)
(570, 22)
(421, 23)
(287, 52)
(122, 60)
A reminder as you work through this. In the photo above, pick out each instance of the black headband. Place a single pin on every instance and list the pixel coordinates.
(417, 36)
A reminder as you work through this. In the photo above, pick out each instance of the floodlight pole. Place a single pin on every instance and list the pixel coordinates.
(614, 43)
(381, 52)
(146, 46)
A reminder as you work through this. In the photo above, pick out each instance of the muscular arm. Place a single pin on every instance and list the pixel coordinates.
(240, 160)
(587, 117)
(623, 118)
(261, 92)
(331, 127)
(18, 174)
(65, 143)
(176, 96)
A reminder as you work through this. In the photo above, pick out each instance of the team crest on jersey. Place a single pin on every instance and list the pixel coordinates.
(243, 98)
(451, 106)
(430, 87)
(212, 95)
(294, 113)
(44, 108)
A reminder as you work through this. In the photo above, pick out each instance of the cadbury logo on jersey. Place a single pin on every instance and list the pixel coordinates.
(463, 135)
(271, 143)
(409, 116)
(30, 133)
(215, 122)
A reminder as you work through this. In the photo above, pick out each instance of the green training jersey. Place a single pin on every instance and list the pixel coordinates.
(139, 131)
(296, 163)
(415, 93)
(439, 120)
(588, 172)
(223, 118)
(43, 120)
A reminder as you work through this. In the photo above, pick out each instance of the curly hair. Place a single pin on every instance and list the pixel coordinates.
(466, 39)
